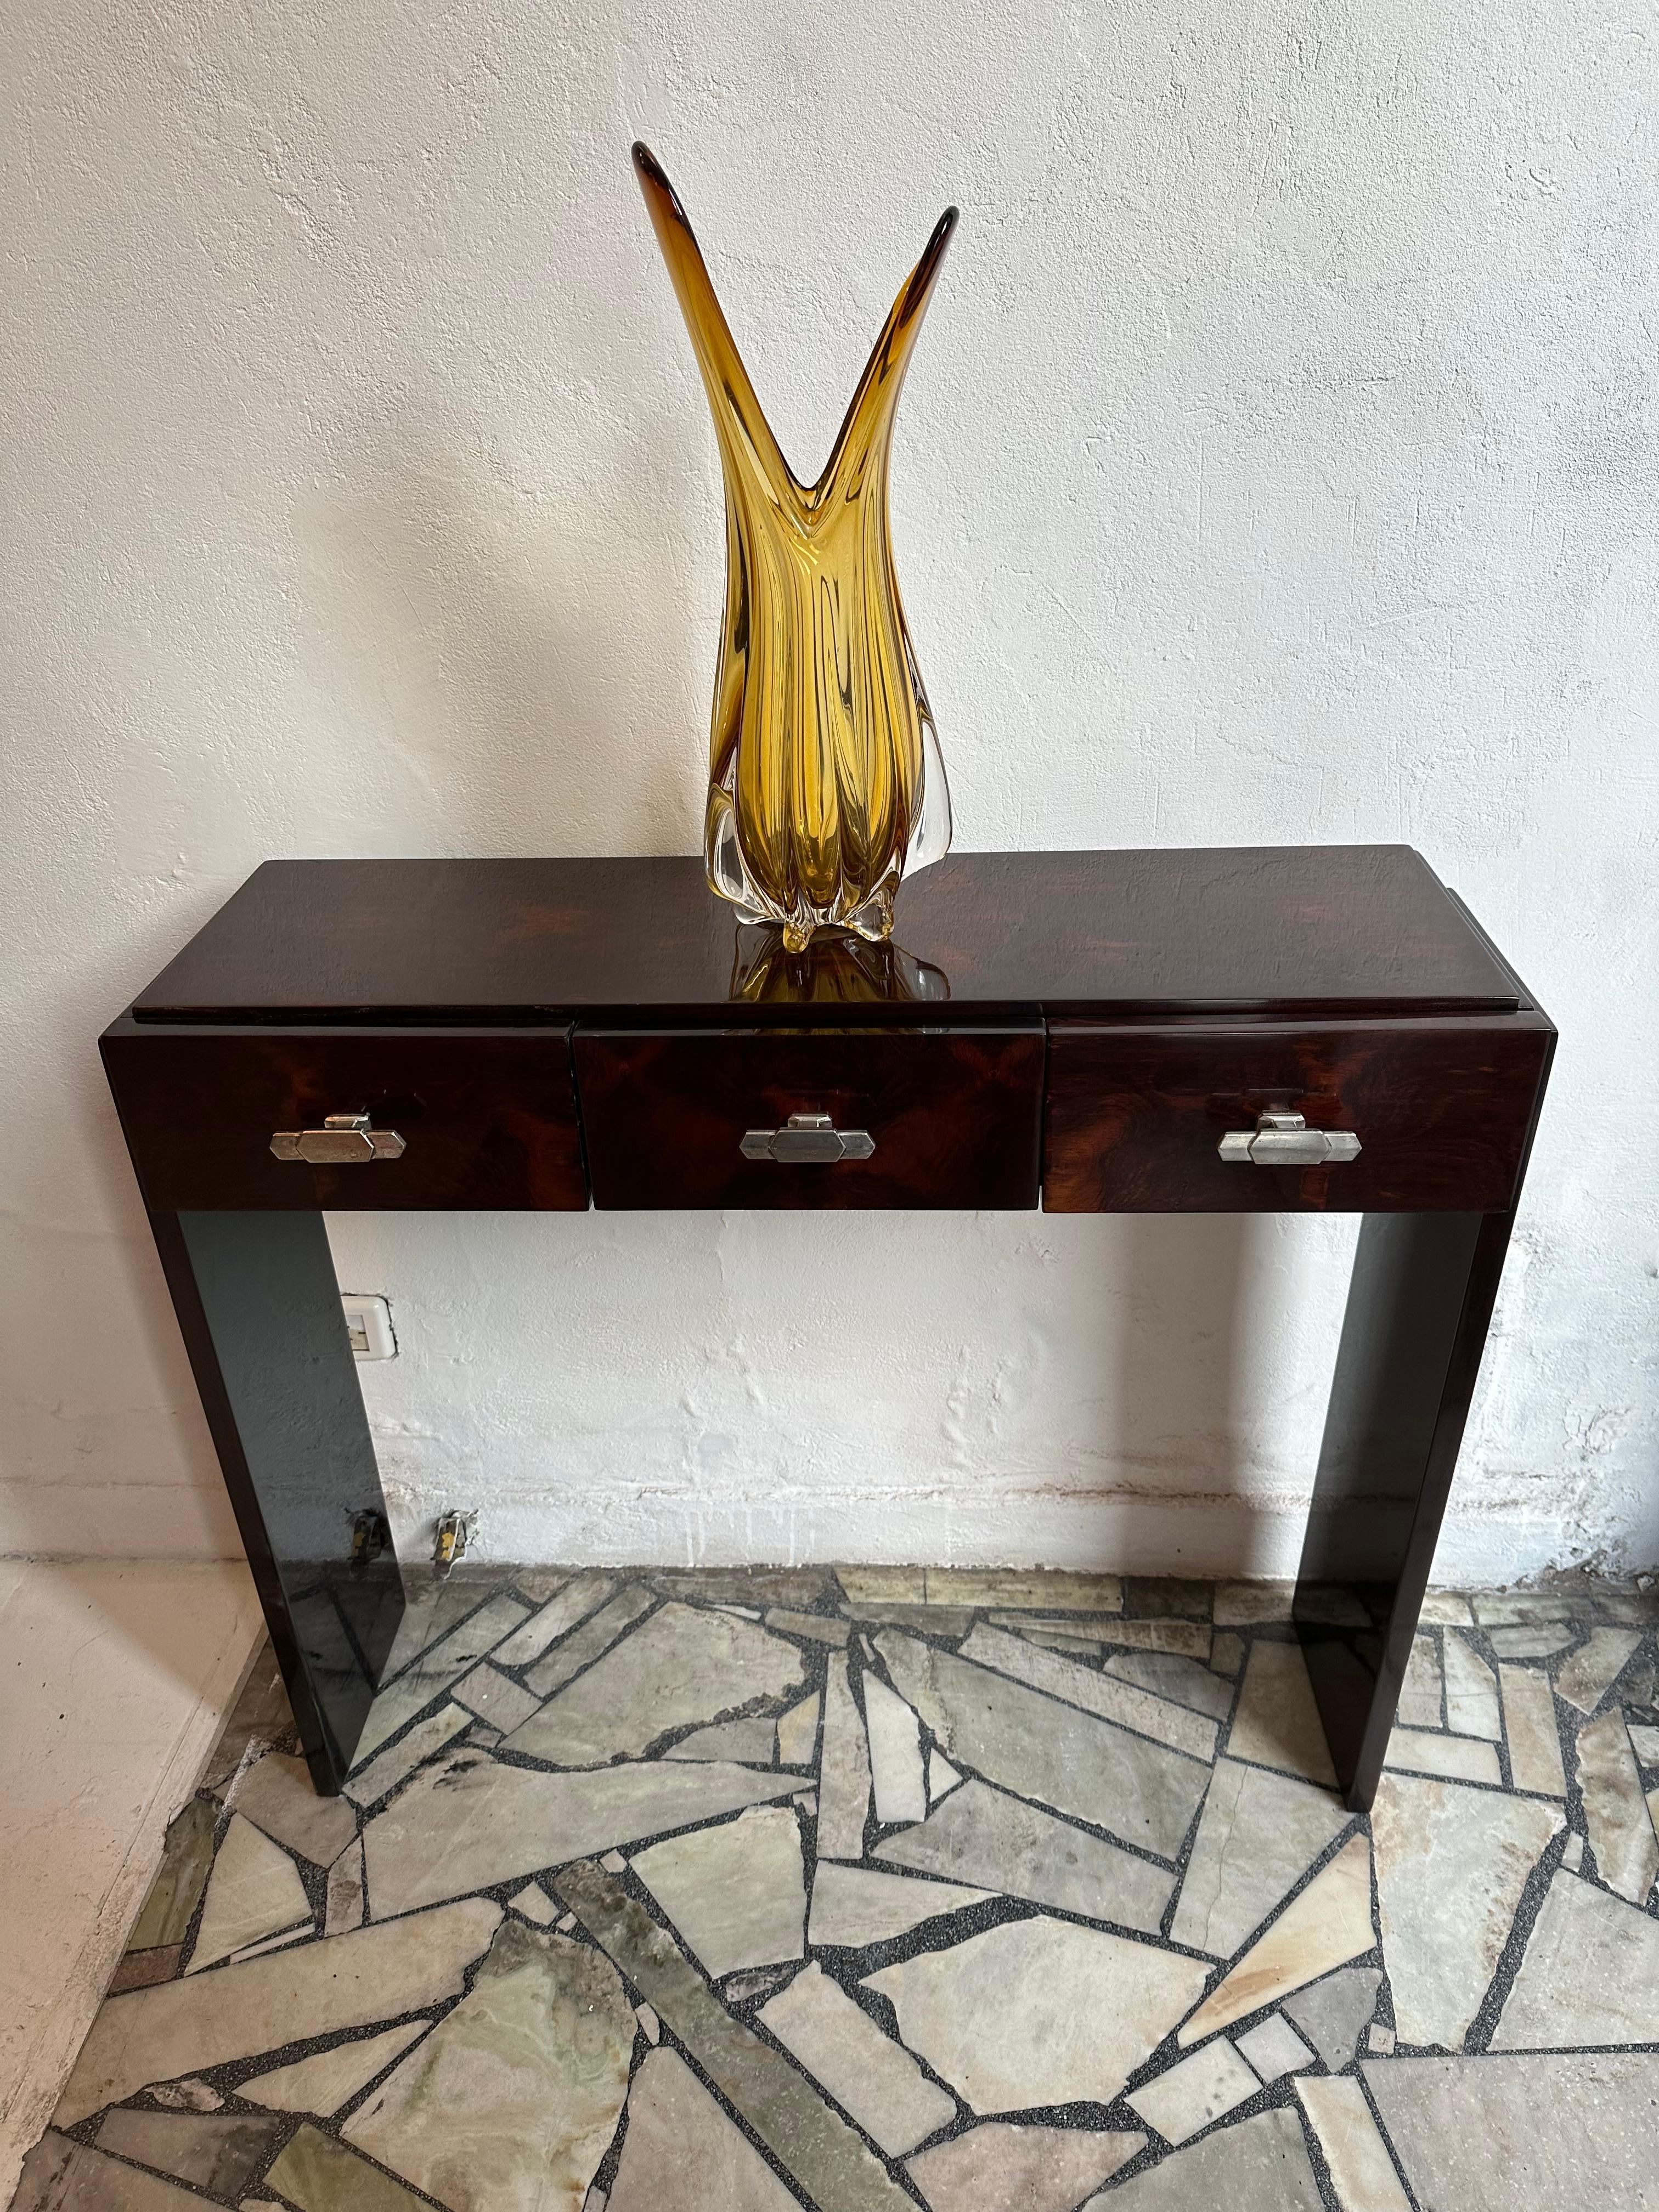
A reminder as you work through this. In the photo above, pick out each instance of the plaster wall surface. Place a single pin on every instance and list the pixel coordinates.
(1280, 464)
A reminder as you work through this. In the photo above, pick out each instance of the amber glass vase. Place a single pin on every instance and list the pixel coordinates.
(825, 778)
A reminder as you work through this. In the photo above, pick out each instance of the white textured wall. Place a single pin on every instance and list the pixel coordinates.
(1280, 464)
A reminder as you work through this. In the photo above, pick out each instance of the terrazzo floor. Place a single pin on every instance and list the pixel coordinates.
(860, 1890)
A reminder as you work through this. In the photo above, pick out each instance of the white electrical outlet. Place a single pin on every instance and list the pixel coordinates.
(368, 1324)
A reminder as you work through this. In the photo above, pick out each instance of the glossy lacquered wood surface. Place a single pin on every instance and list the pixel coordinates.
(1442, 1108)
(954, 1114)
(1296, 931)
(489, 1119)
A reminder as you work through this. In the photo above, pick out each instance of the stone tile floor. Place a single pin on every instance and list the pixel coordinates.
(983, 1892)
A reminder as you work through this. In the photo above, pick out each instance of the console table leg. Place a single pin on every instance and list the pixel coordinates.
(259, 1307)
(1421, 1299)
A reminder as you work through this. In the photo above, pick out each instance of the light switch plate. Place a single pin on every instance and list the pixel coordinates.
(368, 1324)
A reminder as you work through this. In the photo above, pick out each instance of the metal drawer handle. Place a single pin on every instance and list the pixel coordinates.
(1285, 1140)
(343, 1140)
(807, 1139)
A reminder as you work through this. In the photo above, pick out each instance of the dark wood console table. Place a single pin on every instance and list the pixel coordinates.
(1297, 1030)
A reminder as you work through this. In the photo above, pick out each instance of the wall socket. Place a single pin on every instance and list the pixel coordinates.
(368, 1324)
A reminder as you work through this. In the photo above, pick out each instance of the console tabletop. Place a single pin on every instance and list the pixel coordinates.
(1289, 1029)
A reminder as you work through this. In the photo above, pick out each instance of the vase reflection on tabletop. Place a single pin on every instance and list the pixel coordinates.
(825, 782)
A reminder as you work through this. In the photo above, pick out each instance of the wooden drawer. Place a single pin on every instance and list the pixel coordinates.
(1442, 1109)
(487, 1118)
(953, 1114)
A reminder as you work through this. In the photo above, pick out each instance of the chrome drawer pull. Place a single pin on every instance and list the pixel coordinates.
(808, 1140)
(1285, 1140)
(343, 1140)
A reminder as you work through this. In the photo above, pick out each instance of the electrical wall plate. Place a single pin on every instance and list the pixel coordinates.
(368, 1324)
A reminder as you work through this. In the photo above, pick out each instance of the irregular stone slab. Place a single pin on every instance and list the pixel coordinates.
(868, 2076)
(1423, 1692)
(368, 1784)
(1451, 1864)
(1504, 1608)
(1190, 2094)
(799, 1588)
(137, 1969)
(1644, 1742)
(1259, 1834)
(188, 2095)
(1538, 1643)
(814, 1627)
(433, 1605)
(1038, 2011)
(1274, 2048)
(835, 2169)
(583, 1644)
(1471, 1691)
(1590, 1974)
(274, 1942)
(1278, 1723)
(983, 1836)
(1498, 2134)
(1186, 1639)
(583, 1594)
(346, 1892)
(1158, 1598)
(1615, 1812)
(511, 2102)
(1446, 1609)
(537, 1906)
(948, 1621)
(883, 1585)
(1227, 1655)
(1182, 1680)
(894, 1737)
(329, 2079)
(154, 2035)
(798, 1733)
(1453, 1757)
(736, 1893)
(432, 1673)
(60, 2175)
(942, 1777)
(1535, 1742)
(843, 1770)
(1106, 1695)
(1247, 1605)
(1380, 2040)
(1361, 2173)
(186, 1857)
(320, 2175)
(1032, 1744)
(469, 1822)
(493, 1698)
(253, 1891)
(676, 2129)
(276, 1794)
(751, 1742)
(1000, 2166)
(1572, 1853)
(853, 1905)
(1592, 1671)
(1327, 1925)
(1332, 2012)
(538, 1584)
(681, 1665)
(1256, 2165)
(1044, 1590)
(220, 2151)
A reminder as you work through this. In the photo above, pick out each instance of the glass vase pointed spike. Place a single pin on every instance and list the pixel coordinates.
(825, 782)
